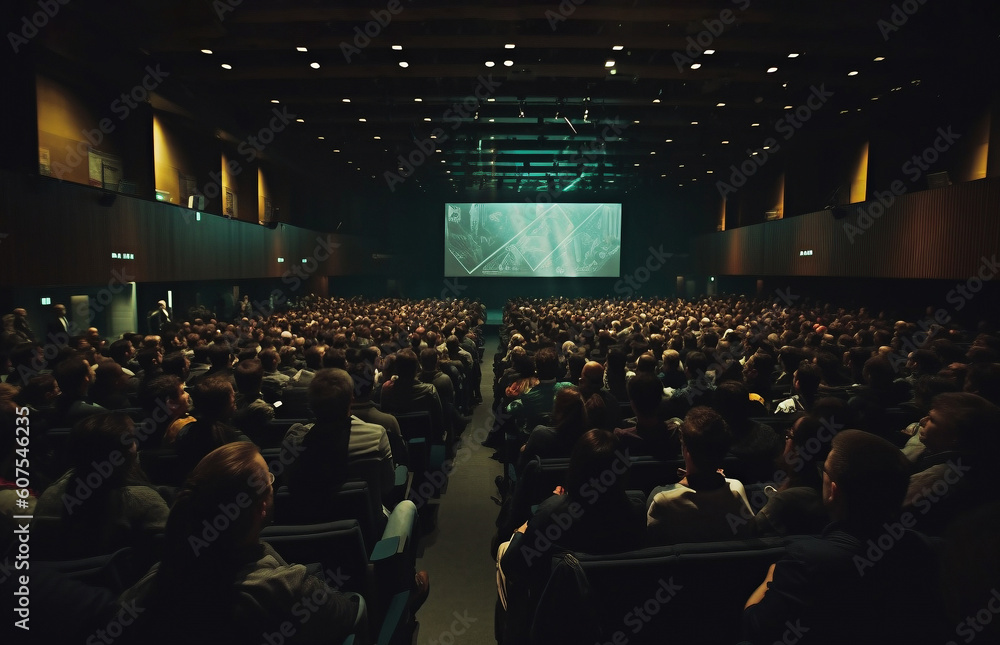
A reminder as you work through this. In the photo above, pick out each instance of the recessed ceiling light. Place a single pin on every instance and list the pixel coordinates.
(508, 63)
(491, 99)
(788, 107)
(614, 71)
(301, 49)
(377, 138)
(206, 51)
(878, 59)
(681, 166)
(609, 63)
(771, 70)
(490, 120)
(346, 100)
(767, 147)
(427, 118)
(725, 142)
(652, 152)
(274, 101)
(695, 65)
(226, 66)
(709, 172)
(300, 120)
(709, 52)
(793, 55)
(314, 65)
(397, 48)
(754, 125)
(668, 141)
(321, 138)
(852, 73)
(363, 120)
(438, 150)
(403, 64)
(694, 123)
(418, 100)
(636, 165)
(617, 48)
(490, 63)
(656, 100)
(720, 104)
(509, 46)
(336, 149)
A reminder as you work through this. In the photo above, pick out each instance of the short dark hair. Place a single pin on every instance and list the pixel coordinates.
(547, 363)
(871, 474)
(645, 392)
(706, 437)
(330, 394)
(249, 374)
(406, 364)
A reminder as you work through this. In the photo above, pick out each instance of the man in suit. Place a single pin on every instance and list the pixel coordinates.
(159, 318)
(59, 326)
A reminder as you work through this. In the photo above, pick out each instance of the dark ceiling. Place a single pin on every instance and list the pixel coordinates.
(561, 114)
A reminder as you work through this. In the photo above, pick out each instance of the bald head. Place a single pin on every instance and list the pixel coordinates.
(592, 373)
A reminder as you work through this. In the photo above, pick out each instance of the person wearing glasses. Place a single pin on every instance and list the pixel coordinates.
(217, 582)
(868, 578)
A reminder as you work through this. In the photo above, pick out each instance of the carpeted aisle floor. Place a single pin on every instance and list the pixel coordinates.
(463, 594)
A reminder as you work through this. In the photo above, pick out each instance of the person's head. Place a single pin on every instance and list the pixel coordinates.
(546, 364)
(214, 398)
(591, 377)
(807, 443)
(121, 351)
(864, 479)
(984, 379)
(732, 401)
(269, 359)
(595, 455)
(363, 376)
(176, 363)
(161, 304)
(429, 359)
(314, 357)
(330, 394)
(103, 449)
(165, 391)
(249, 375)
(74, 376)
(807, 378)
(109, 377)
(406, 364)
(568, 411)
(960, 421)
(695, 365)
(645, 393)
(671, 360)
(59, 310)
(758, 368)
(233, 476)
(705, 439)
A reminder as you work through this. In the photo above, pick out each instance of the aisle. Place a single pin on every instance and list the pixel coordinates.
(463, 574)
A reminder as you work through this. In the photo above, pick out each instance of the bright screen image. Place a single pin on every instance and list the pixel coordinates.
(529, 239)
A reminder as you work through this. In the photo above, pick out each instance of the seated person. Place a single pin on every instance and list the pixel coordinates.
(703, 506)
(404, 393)
(226, 585)
(755, 445)
(797, 506)
(805, 386)
(215, 403)
(961, 437)
(698, 390)
(166, 406)
(252, 412)
(74, 378)
(528, 409)
(569, 422)
(336, 438)
(650, 435)
(578, 517)
(104, 501)
(846, 586)
(110, 388)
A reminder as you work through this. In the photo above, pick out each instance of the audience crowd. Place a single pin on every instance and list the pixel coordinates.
(815, 423)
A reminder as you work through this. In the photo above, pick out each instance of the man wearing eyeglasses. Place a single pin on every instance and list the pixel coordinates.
(868, 578)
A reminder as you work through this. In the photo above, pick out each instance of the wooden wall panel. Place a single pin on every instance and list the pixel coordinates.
(59, 233)
(932, 234)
